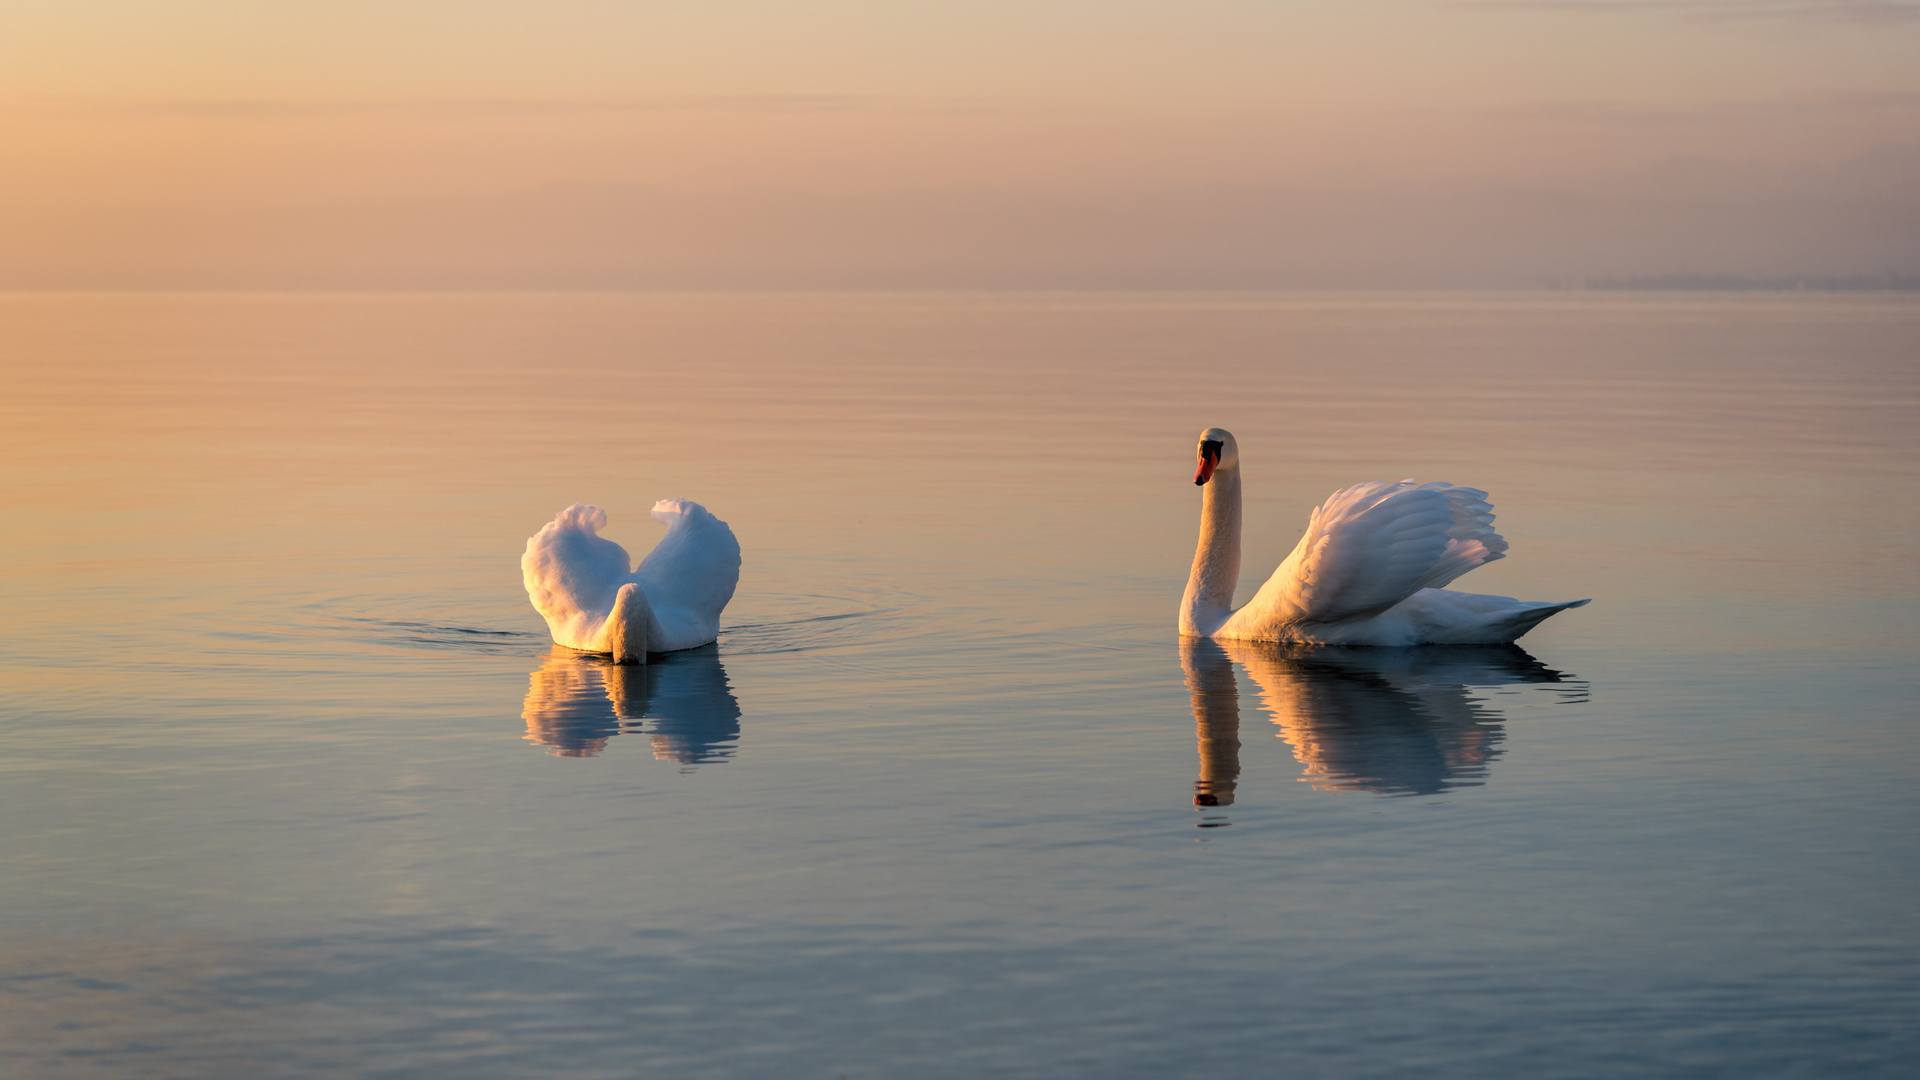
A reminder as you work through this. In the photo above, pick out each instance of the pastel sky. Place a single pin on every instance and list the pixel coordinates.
(1044, 143)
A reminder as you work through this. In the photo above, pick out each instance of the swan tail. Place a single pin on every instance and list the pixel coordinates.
(1512, 625)
(1442, 617)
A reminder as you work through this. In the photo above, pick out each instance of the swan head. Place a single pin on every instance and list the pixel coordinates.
(1217, 451)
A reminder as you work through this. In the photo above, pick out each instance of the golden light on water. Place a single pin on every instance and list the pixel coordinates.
(576, 704)
(311, 314)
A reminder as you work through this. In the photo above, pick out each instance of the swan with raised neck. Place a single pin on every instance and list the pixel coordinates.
(1216, 562)
(1367, 571)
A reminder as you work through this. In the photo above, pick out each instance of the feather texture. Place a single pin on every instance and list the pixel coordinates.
(1367, 571)
(574, 576)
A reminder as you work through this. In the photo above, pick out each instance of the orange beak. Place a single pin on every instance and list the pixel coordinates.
(1207, 462)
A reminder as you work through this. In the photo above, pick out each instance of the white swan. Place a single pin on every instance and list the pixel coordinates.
(1368, 570)
(580, 582)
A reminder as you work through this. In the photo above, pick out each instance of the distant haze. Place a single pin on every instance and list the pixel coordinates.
(845, 144)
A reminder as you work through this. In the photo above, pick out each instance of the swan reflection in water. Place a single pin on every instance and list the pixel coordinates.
(681, 702)
(1391, 721)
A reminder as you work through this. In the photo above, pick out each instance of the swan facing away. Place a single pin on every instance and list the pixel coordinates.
(581, 583)
(1368, 571)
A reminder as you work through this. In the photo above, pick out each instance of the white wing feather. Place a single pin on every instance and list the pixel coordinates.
(690, 574)
(572, 574)
(1370, 546)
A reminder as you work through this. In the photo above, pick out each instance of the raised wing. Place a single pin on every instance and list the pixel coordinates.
(690, 575)
(572, 574)
(1372, 545)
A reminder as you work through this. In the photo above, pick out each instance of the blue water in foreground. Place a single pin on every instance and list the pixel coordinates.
(294, 783)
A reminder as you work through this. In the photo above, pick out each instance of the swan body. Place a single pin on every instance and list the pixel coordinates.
(581, 583)
(1368, 570)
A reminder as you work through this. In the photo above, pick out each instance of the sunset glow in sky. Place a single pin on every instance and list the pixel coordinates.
(1127, 143)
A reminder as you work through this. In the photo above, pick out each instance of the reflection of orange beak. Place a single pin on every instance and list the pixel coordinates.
(1206, 469)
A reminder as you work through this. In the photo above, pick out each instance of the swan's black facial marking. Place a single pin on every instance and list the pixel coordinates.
(1209, 458)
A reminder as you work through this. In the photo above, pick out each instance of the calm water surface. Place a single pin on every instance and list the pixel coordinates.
(295, 784)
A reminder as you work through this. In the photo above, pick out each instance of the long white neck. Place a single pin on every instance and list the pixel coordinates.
(1216, 562)
(628, 626)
